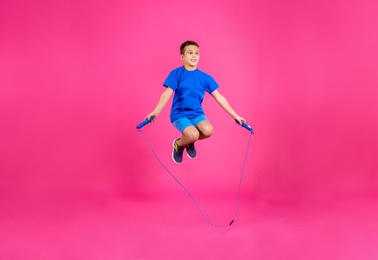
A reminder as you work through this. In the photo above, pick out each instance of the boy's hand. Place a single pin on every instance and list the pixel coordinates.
(151, 114)
(240, 120)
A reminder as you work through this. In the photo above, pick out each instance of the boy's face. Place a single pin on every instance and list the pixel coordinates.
(191, 57)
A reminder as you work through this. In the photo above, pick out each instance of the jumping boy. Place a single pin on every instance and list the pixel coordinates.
(187, 115)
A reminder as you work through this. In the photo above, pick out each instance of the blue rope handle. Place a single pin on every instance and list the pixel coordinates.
(248, 127)
(145, 122)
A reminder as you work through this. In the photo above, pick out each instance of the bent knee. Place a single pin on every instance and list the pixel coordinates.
(207, 130)
(192, 134)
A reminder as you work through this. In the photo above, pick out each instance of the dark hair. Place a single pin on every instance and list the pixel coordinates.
(182, 47)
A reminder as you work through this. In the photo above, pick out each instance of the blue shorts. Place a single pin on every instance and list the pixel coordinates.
(183, 123)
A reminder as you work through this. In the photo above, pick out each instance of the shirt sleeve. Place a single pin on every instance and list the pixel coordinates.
(211, 84)
(171, 81)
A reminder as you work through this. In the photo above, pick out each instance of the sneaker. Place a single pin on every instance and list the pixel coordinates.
(191, 151)
(177, 152)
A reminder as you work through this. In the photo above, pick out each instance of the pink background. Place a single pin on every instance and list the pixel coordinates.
(78, 76)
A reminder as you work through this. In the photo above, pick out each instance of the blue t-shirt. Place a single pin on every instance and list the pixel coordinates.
(189, 87)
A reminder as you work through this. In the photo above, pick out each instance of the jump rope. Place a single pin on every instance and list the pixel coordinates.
(249, 128)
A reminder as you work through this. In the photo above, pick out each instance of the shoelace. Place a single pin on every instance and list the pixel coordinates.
(176, 146)
(190, 146)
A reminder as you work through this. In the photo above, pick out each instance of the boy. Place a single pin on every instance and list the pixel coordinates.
(187, 115)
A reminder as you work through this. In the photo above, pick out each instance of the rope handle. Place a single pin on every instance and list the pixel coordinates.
(145, 122)
(248, 127)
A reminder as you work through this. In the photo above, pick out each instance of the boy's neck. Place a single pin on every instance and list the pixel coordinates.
(189, 68)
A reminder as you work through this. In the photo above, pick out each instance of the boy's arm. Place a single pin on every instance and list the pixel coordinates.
(222, 101)
(164, 98)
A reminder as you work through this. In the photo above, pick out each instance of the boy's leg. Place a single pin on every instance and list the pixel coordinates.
(189, 134)
(191, 131)
(205, 129)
